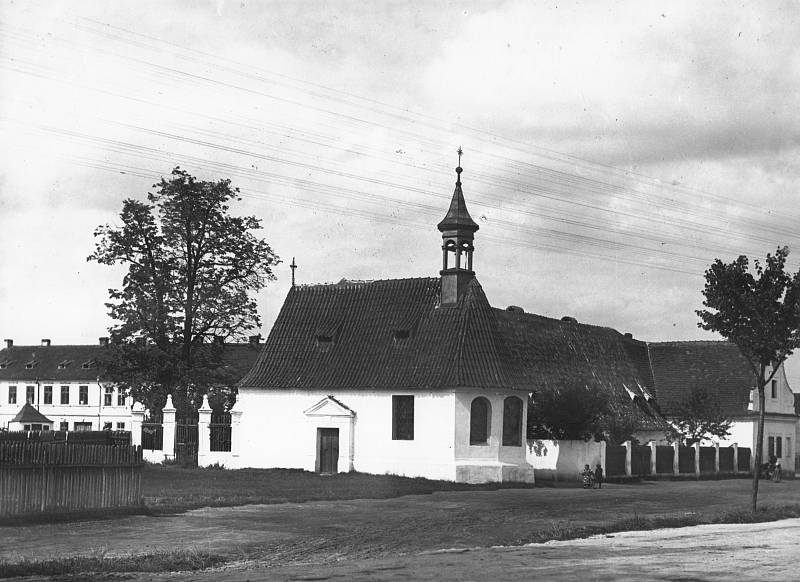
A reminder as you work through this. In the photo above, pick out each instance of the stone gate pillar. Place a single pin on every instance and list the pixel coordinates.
(168, 415)
(137, 418)
(653, 468)
(204, 434)
(628, 463)
(236, 433)
(676, 458)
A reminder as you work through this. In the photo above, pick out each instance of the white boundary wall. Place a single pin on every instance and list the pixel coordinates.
(564, 460)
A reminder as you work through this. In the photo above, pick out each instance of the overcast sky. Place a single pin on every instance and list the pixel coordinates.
(612, 150)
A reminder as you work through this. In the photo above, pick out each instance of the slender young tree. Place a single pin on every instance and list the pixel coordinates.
(699, 415)
(760, 313)
(192, 270)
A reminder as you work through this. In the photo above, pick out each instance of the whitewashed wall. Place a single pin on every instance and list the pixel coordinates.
(276, 432)
(563, 460)
(491, 461)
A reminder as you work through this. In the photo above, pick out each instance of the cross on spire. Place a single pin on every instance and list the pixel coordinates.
(293, 266)
(460, 152)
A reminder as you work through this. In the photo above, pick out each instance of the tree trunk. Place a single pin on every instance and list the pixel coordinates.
(759, 436)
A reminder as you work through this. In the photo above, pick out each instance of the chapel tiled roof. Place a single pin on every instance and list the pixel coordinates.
(29, 414)
(716, 365)
(388, 334)
(393, 335)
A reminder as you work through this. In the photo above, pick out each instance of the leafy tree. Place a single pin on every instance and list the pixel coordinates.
(571, 410)
(192, 268)
(699, 415)
(760, 313)
(619, 425)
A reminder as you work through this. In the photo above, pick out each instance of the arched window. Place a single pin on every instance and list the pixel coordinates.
(480, 415)
(512, 422)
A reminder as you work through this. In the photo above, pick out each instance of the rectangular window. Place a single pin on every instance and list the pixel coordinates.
(63, 426)
(30, 394)
(65, 395)
(788, 447)
(83, 426)
(120, 398)
(83, 395)
(120, 426)
(108, 397)
(774, 388)
(778, 447)
(48, 394)
(403, 418)
(771, 446)
(106, 426)
(12, 394)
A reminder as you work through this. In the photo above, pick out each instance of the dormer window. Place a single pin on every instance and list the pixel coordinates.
(87, 365)
(400, 336)
(324, 343)
(64, 365)
(30, 365)
(5, 364)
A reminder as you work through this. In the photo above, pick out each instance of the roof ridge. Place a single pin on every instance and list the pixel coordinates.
(691, 342)
(345, 283)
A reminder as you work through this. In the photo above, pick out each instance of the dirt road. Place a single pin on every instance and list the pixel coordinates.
(707, 553)
(363, 538)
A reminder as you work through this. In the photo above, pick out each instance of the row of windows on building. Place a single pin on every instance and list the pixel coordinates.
(480, 420)
(76, 426)
(47, 395)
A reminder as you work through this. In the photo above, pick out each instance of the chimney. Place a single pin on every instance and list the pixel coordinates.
(255, 339)
(9, 343)
(103, 341)
(45, 343)
(629, 335)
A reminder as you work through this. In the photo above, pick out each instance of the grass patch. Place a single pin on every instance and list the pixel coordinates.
(174, 489)
(185, 560)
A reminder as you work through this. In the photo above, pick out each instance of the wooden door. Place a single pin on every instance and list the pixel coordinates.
(328, 453)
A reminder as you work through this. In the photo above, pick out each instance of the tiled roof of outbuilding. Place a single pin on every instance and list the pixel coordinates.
(716, 365)
(546, 353)
(29, 414)
(381, 335)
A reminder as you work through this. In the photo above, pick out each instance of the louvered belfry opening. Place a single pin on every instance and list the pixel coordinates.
(458, 233)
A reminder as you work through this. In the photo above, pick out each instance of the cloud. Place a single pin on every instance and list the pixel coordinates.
(653, 84)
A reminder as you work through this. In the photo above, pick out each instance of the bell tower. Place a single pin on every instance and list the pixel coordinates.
(458, 231)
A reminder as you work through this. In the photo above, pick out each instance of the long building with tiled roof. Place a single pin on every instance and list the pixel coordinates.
(423, 377)
(65, 383)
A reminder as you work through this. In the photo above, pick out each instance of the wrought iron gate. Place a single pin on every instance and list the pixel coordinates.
(186, 437)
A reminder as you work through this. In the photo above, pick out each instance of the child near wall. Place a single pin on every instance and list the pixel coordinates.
(598, 476)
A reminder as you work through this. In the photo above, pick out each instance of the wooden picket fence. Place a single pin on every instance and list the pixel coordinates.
(60, 477)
